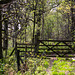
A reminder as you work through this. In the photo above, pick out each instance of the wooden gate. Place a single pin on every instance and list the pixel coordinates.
(46, 48)
(60, 48)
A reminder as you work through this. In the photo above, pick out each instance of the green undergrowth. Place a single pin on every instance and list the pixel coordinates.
(63, 67)
(38, 66)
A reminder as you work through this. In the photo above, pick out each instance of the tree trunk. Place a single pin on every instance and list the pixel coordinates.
(42, 27)
(73, 20)
(6, 36)
(1, 54)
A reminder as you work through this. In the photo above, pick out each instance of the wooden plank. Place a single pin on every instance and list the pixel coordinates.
(61, 56)
(24, 47)
(55, 45)
(26, 56)
(22, 51)
(51, 53)
(48, 56)
(26, 51)
(58, 40)
(42, 45)
(54, 49)
(20, 47)
(24, 44)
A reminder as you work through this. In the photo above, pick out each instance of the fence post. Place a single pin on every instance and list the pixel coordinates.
(18, 60)
(36, 44)
(25, 65)
(26, 52)
(17, 56)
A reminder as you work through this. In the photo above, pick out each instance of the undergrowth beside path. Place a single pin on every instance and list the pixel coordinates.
(52, 66)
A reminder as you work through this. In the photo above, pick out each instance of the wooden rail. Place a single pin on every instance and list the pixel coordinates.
(50, 48)
(58, 40)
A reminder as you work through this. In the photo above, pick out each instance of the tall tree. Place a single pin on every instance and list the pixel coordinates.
(72, 19)
(6, 35)
(1, 54)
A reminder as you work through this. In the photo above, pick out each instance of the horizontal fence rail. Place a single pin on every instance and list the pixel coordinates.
(47, 48)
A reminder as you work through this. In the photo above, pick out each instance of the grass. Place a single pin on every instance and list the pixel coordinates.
(63, 67)
(37, 66)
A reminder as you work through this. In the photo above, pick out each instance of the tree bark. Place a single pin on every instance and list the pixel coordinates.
(1, 54)
(72, 20)
(6, 36)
